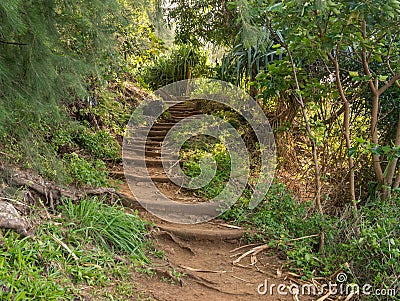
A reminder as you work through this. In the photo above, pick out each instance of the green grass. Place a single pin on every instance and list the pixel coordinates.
(40, 268)
(108, 226)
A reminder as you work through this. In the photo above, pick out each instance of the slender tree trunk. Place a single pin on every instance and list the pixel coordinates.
(346, 131)
(391, 168)
(188, 76)
(375, 107)
(374, 136)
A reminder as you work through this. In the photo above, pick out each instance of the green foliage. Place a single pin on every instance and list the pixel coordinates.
(59, 53)
(115, 105)
(108, 226)
(279, 219)
(369, 241)
(183, 62)
(202, 21)
(198, 148)
(39, 268)
(364, 243)
(242, 64)
(81, 171)
(99, 144)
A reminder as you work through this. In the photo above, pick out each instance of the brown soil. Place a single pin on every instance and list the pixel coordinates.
(198, 262)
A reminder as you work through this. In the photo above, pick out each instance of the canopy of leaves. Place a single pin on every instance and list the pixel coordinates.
(203, 21)
(59, 51)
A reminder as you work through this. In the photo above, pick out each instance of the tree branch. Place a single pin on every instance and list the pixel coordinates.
(393, 80)
(13, 43)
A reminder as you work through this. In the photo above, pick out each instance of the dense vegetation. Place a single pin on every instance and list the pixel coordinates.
(327, 75)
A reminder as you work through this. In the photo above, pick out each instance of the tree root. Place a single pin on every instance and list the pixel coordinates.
(52, 193)
(176, 240)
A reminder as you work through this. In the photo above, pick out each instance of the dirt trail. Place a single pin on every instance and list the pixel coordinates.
(203, 252)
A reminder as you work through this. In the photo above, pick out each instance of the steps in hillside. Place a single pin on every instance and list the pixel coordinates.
(151, 143)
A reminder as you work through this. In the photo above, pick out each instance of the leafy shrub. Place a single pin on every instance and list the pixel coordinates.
(182, 62)
(82, 171)
(280, 218)
(365, 244)
(196, 149)
(369, 240)
(99, 145)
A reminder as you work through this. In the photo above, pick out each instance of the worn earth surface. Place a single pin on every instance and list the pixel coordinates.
(198, 262)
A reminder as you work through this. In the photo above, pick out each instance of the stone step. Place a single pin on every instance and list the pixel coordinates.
(180, 109)
(155, 139)
(149, 161)
(138, 178)
(158, 127)
(176, 119)
(135, 143)
(171, 124)
(153, 132)
(149, 151)
(185, 115)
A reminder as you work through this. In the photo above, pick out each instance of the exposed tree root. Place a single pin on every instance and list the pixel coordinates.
(176, 240)
(53, 193)
(168, 274)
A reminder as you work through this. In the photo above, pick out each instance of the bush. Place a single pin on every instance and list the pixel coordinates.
(198, 148)
(40, 268)
(369, 240)
(364, 244)
(82, 171)
(175, 66)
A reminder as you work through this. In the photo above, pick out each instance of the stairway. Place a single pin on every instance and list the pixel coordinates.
(156, 195)
(154, 143)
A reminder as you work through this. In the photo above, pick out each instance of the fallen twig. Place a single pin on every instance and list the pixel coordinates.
(324, 297)
(305, 237)
(253, 252)
(64, 246)
(45, 209)
(226, 225)
(241, 279)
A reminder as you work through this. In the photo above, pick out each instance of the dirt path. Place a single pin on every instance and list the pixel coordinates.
(198, 259)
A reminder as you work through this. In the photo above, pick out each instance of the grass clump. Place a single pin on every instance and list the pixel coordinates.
(40, 268)
(198, 148)
(108, 226)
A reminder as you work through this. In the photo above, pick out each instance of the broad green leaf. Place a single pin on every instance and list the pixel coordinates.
(352, 150)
